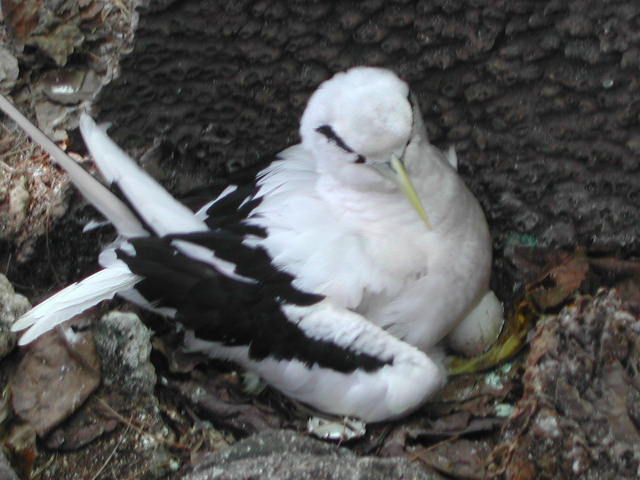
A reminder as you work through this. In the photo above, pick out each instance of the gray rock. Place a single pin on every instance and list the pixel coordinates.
(8, 70)
(124, 346)
(287, 455)
(12, 306)
(6, 472)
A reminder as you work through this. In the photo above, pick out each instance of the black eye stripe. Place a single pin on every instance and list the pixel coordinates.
(328, 132)
(332, 136)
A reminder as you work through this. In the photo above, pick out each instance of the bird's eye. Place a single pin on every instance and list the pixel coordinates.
(360, 159)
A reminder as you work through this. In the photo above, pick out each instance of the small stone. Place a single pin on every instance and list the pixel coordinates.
(8, 70)
(12, 306)
(633, 144)
(6, 472)
(607, 83)
(124, 346)
(19, 199)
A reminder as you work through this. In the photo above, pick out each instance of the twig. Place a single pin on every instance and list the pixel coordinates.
(6, 268)
(7, 167)
(141, 431)
(113, 452)
(143, 472)
(42, 468)
(48, 249)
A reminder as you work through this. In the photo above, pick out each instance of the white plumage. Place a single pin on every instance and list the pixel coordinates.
(334, 276)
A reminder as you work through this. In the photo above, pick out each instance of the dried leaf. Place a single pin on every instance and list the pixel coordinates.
(72, 439)
(623, 275)
(460, 459)
(179, 360)
(21, 442)
(218, 399)
(455, 425)
(87, 424)
(559, 283)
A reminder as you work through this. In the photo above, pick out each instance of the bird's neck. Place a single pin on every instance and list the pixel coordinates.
(380, 209)
(438, 185)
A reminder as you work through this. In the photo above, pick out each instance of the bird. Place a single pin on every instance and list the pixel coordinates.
(337, 274)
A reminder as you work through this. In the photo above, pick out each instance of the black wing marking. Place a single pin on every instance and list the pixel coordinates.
(221, 309)
(235, 313)
(232, 211)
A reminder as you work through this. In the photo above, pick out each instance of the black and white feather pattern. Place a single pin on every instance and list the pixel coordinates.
(312, 285)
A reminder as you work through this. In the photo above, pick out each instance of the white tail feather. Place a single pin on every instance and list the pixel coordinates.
(74, 299)
(159, 210)
(101, 198)
(153, 203)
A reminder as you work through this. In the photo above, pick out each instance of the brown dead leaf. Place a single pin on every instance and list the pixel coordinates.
(615, 404)
(623, 275)
(87, 424)
(455, 425)
(179, 361)
(617, 267)
(21, 442)
(460, 459)
(56, 375)
(392, 444)
(529, 262)
(559, 283)
(218, 400)
(22, 17)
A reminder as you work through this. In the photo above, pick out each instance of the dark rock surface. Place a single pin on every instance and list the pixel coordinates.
(6, 472)
(541, 99)
(285, 455)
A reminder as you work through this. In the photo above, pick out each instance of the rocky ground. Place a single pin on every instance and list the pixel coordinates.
(539, 99)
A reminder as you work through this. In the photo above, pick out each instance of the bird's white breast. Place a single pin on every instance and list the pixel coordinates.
(339, 242)
(371, 252)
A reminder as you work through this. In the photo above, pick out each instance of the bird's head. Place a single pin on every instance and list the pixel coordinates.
(358, 125)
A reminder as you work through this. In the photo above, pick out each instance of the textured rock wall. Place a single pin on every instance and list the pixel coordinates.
(541, 99)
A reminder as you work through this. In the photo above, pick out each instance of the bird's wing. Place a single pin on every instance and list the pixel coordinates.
(303, 344)
(74, 299)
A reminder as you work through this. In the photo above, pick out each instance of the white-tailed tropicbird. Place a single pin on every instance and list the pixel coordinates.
(334, 275)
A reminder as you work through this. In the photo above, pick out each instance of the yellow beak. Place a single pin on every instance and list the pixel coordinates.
(402, 179)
